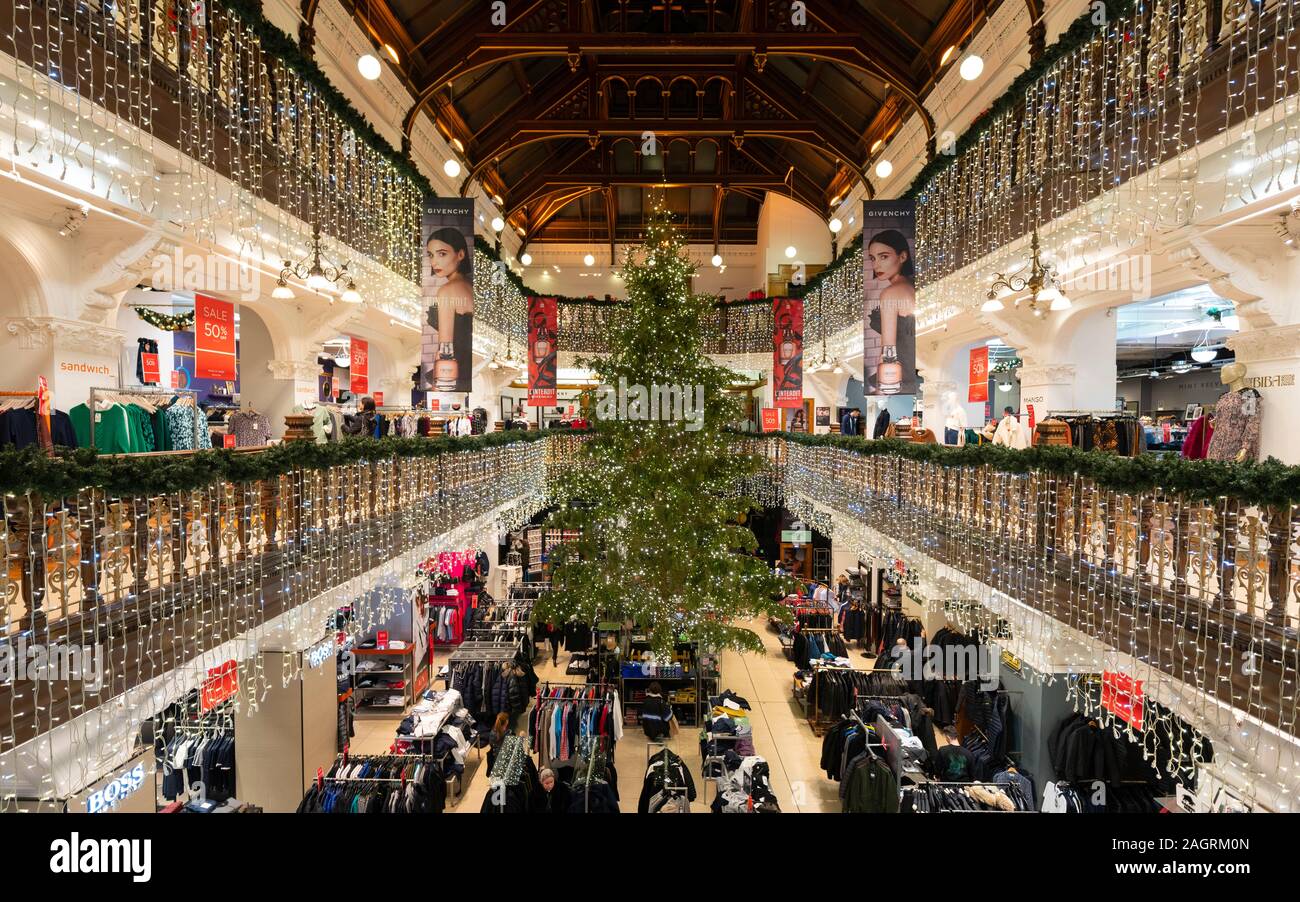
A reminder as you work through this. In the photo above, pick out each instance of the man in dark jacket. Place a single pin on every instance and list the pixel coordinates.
(851, 423)
(656, 713)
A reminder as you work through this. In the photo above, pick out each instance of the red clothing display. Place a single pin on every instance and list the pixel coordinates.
(1197, 443)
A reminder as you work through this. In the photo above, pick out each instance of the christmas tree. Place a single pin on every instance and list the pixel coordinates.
(654, 490)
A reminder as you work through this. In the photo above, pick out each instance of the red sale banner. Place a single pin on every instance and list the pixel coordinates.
(214, 339)
(360, 370)
(177, 377)
(542, 328)
(227, 441)
(379, 398)
(1030, 413)
(1122, 696)
(771, 419)
(149, 365)
(978, 393)
(221, 685)
(787, 352)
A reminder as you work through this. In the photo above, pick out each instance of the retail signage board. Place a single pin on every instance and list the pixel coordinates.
(227, 441)
(379, 398)
(214, 339)
(978, 390)
(1029, 408)
(889, 298)
(177, 377)
(221, 685)
(359, 371)
(381, 639)
(771, 419)
(787, 352)
(1122, 696)
(447, 292)
(796, 536)
(542, 332)
(149, 366)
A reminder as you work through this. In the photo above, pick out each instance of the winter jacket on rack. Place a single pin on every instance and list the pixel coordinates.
(667, 780)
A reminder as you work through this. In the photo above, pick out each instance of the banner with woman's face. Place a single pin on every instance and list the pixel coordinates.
(787, 352)
(447, 286)
(889, 298)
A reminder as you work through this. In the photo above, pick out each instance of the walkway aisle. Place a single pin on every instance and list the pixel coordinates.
(781, 736)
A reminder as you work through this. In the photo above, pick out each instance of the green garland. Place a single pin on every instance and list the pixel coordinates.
(180, 322)
(29, 470)
(279, 45)
(1269, 484)
(1080, 32)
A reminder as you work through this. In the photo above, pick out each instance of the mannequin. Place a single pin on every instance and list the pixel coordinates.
(1236, 418)
(954, 424)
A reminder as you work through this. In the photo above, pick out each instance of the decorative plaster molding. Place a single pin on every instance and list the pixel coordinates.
(296, 370)
(1252, 308)
(1049, 374)
(125, 269)
(47, 332)
(1276, 343)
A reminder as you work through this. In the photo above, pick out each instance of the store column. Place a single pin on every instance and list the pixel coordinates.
(1272, 360)
(81, 355)
(303, 375)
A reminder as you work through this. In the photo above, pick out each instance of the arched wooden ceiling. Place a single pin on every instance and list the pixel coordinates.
(555, 105)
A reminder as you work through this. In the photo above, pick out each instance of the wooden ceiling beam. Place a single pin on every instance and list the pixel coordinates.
(472, 52)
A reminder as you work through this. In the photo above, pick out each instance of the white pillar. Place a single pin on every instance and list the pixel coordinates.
(1272, 359)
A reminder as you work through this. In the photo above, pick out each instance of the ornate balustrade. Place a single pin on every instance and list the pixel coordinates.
(158, 574)
(1203, 587)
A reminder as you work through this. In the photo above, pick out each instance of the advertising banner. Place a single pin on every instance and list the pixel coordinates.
(787, 352)
(542, 374)
(978, 392)
(447, 286)
(771, 419)
(149, 366)
(214, 339)
(359, 372)
(889, 297)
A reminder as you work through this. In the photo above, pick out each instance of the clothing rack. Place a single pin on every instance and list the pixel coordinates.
(173, 395)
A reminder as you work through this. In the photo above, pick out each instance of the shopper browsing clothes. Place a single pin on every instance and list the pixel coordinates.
(500, 730)
(551, 795)
(657, 715)
(1011, 432)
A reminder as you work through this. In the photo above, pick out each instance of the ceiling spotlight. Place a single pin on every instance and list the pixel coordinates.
(947, 54)
(452, 168)
(717, 260)
(884, 168)
(369, 66)
(972, 67)
(526, 259)
(876, 145)
(282, 290)
(498, 223)
(1204, 354)
(1182, 366)
(589, 260)
(790, 251)
(1154, 374)
(350, 294)
(392, 54)
(456, 143)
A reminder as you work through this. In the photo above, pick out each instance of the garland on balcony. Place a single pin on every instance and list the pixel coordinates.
(1269, 483)
(1077, 35)
(29, 470)
(284, 48)
(178, 322)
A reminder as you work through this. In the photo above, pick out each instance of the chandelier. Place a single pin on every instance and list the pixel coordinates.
(319, 277)
(1042, 284)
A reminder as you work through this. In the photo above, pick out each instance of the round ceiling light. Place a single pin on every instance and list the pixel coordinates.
(884, 169)
(717, 260)
(369, 66)
(589, 260)
(972, 67)
(452, 168)
(498, 223)
(790, 251)
(835, 225)
(526, 259)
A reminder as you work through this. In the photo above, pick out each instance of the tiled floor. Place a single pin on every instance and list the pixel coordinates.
(781, 735)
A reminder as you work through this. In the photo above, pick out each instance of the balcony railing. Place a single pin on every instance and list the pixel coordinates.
(1206, 590)
(155, 564)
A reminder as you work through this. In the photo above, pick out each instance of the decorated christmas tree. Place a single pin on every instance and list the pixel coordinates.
(654, 491)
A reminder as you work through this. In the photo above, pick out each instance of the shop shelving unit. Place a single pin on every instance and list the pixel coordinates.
(396, 663)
